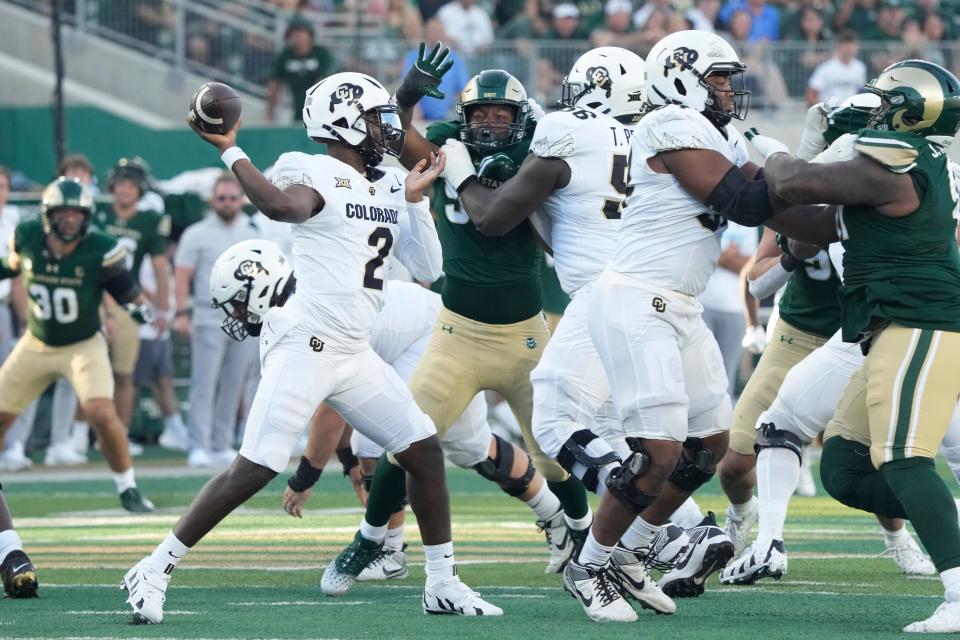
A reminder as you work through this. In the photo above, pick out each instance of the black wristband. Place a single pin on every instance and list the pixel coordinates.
(466, 183)
(347, 459)
(788, 262)
(305, 477)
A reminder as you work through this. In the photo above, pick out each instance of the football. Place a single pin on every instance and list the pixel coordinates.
(215, 107)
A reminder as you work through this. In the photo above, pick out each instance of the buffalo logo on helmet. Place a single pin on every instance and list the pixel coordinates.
(345, 93)
(248, 269)
(682, 58)
(600, 78)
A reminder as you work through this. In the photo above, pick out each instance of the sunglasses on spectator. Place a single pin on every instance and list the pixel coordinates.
(225, 198)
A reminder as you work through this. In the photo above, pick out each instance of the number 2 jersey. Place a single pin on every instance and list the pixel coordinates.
(584, 215)
(668, 238)
(340, 252)
(64, 295)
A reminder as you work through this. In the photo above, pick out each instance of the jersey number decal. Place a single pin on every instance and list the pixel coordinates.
(61, 306)
(818, 267)
(618, 180)
(370, 280)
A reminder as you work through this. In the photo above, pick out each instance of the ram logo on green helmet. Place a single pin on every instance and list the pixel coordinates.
(917, 97)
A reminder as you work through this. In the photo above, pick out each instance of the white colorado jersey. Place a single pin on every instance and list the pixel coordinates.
(667, 237)
(408, 314)
(340, 252)
(584, 216)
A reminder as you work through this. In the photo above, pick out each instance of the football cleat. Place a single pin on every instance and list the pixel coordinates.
(63, 455)
(709, 551)
(173, 440)
(559, 543)
(597, 593)
(627, 570)
(946, 619)
(450, 596)
(911, 560)
(14, 459)
(147, 589)
(19, 575)
(343, 570)
(135, 502)
(761, 560)
(666, 547)
(738, 528)
(390, 564)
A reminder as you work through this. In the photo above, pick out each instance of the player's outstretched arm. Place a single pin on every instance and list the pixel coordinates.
(419, 246)
(296, 203)
(496, 212)
(422, 79)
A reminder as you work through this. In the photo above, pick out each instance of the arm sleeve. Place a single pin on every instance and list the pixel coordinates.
(116, 278)
(769, 282)
(419, 246)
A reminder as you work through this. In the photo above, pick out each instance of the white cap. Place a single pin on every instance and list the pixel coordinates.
(566, 10)
(618, 6)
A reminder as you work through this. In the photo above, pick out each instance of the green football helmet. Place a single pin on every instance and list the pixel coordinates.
(66, 193)
(918, 97)
(493, 86)
(850, 116)
(135, 169)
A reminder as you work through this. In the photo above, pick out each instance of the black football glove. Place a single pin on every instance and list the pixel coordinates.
(141, 313)
(424, 76)
(496, 169)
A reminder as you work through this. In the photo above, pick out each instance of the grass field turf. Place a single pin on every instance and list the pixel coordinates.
(256, 575)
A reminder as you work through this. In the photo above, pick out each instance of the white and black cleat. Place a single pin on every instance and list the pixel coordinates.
(597, 593)
(560, 544)
(452, 597)
(670, 543)
(627, 569)
(391, 564)
(910, 558)
(761, 560)
(709, 551)
(147, 589)
(946, 619)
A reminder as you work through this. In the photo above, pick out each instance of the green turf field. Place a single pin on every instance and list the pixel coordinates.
(256, 576)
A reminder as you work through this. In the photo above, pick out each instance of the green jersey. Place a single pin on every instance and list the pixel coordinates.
(144, 233)
(487, 279)
(301, 73)
(903, 270)
(65, 294)
(809, 301)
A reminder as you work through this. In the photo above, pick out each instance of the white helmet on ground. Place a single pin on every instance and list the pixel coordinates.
(356, 110)
(246, 281)
(610, 80)
(678, 67)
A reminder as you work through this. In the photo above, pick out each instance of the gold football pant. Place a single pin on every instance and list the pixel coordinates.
(465, 357)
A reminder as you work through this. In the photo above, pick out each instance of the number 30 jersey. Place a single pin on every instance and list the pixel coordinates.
(341, 251)
(667, 237)
(584, 216)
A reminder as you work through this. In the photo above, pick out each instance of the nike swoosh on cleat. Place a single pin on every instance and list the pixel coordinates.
(447, 556)
(15, 569)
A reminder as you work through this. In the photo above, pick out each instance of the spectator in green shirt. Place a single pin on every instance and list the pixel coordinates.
(300, 65)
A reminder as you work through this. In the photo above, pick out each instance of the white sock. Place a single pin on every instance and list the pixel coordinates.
(394, 539)
(9, 541)
(579, 524)
(545, 504)
(741, 510)
(372, 533)
(440, 561)
(951, 584)
(594, 553)
(124, 480)
(640, 534)
(688, 515)
(778, 472)
(895, 538)
(168, 553)
(597, 448)
(174, 424)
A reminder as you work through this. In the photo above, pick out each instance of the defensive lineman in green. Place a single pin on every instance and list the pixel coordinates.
(66, 268)
(900, 300)
(491, 330)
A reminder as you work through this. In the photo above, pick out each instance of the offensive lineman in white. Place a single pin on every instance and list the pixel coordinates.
(315, 348)
(576, 173)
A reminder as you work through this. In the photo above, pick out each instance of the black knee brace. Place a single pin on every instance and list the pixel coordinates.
(695, 469)
(574, 452)
(768, 436)
(499, 470)
(620, 481)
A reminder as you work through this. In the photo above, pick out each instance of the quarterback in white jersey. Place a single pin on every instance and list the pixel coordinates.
(315, 348)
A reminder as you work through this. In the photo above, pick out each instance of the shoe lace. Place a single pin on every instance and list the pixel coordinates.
(355, 558)
(903, 553)
(649, 556)
(605, 587)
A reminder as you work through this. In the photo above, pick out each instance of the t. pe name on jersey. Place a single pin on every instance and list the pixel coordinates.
(371, 213)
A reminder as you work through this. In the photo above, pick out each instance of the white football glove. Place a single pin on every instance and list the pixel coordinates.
(842, 149)
(814, 126)
(754, 340)
(535, 109)
(459, 167)
(765, 145)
